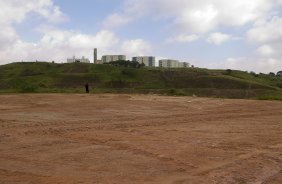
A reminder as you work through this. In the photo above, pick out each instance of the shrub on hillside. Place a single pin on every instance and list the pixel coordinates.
(122, 63)
(27, 88)
(30, 72)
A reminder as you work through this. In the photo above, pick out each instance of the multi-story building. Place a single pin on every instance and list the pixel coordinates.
(168, 63)
(78, 60)
(110, 58)
(148, 61)
(183, 65)
(95, 60)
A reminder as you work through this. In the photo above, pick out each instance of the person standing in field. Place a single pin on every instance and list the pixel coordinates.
(86, 88)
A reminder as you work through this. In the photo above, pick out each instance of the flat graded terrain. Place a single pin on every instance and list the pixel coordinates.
(128, 139)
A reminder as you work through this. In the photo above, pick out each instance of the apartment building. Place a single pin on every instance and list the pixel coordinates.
(168, 63)
(110, 58)
(183, 65)
(148, 61)
(78, 60)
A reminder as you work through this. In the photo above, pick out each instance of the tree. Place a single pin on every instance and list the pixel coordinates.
(254, 74)
(279, 74)
(228, 71)
(142, 65)
(271, 74)
(122, 63)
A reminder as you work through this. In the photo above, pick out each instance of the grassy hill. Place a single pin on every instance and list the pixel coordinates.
(51, 77)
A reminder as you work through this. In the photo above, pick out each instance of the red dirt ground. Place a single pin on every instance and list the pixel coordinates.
(134, 139)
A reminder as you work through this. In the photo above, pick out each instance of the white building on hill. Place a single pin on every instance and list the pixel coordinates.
(78, 60)
(183, 65)
(110, 58)
(170, 63)
(148, 61)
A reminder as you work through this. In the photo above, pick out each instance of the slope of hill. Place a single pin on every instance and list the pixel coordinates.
(50, 77)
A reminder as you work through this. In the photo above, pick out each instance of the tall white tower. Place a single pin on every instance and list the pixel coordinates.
(95, 56)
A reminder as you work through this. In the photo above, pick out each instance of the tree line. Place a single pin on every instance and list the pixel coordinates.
(123, 63)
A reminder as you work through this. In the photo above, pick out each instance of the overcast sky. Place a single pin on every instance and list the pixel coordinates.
(241, 34)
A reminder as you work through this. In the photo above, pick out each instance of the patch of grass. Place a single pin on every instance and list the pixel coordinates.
(270, 97)
(25, 87)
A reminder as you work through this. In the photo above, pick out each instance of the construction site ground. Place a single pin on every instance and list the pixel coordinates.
(136, 139)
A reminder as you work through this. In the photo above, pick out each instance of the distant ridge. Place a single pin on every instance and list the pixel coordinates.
(39, 77)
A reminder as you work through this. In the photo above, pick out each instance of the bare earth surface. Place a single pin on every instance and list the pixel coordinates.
(128, 139)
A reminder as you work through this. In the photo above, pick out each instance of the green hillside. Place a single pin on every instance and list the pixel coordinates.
(51, 77)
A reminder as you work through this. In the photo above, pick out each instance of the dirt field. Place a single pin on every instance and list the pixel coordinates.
(128, 139)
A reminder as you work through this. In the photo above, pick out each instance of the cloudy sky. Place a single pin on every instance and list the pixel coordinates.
(241, 34)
